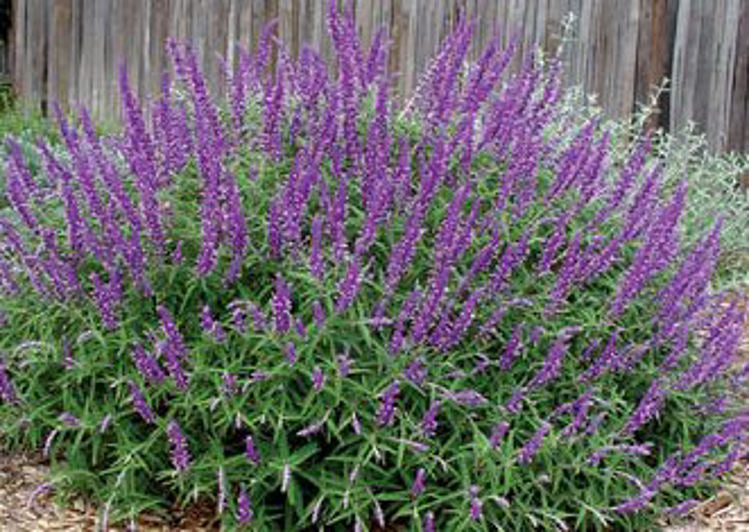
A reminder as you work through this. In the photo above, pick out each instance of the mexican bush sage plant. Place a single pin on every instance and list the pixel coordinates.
(319, 308)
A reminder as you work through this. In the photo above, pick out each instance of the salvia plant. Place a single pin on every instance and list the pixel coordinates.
(321, 309)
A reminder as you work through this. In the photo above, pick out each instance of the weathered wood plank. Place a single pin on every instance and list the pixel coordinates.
(738, 131)
(70, 50)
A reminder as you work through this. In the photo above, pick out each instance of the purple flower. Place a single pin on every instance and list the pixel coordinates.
(647, 407)
(275, 235)
(416, 372)
(316, 261)
(349, 286)
(147, 366)
(636, 503)
(250, 451)
(643, 449)
(236, 227)
(512, 349)
(105, 301)
(210, 326)
(175, 342)
(69, 419)
(228, 384)
(551, 367)
(386, 412)
(476, 512)
(532, 446)
(466, 397)
(419, 483)
(682, 508)
(514, 403)
(318, 379)
(407, 310)
(314, 428)
(140, 404)
(258, 319)
(355, 424)
(498, 433)
(429, 522)
(605, 360)
(290, 353)
(7, 392)
(344, 365)
(281, 304)
(180, 453)
(173, 349)
(580, 408)
(177, 254)
(319, 314)
(244, 509)
(139, 151)
(238, 318)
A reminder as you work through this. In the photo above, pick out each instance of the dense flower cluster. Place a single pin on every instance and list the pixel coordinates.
(318, 298)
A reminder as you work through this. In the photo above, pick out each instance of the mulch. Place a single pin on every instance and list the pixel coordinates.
(26, 505)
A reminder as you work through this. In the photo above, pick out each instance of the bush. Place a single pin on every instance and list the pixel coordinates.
(315, 308)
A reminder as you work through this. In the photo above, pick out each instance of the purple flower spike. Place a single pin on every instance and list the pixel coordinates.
(318, 379)
(419, 484)
(244, 510)
(386, 413)
(416, 372)
(532, 446)
(7, 392)
(429, 422)
(250, 450)
(349, 286)
(344, 365)
(139, 402)
(318, 313)
(105, 301)
(466, 397)
(552, 366)
(210, 326)
(477, 512)
(301, 328)
(281, 304)
(70, 420)
(290, 353)
(512, 349)
(429, 522)
(498, 433)
(147, 365)
(180, 453)
(229, 384)
(173, 349)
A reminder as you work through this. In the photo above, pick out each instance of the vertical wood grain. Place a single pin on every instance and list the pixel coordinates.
(70, 50)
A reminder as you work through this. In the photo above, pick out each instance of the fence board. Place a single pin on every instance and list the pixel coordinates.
(69, 50)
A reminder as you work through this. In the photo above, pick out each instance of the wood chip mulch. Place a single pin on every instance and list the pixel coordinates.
(27, 505)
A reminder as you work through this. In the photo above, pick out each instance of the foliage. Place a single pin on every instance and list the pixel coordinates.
(479, 311)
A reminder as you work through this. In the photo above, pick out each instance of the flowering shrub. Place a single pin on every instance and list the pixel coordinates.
(320, 310)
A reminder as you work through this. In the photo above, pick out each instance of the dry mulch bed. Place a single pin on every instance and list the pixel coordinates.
(25, 506)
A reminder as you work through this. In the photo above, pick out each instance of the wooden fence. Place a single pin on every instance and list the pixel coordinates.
(69, 50)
